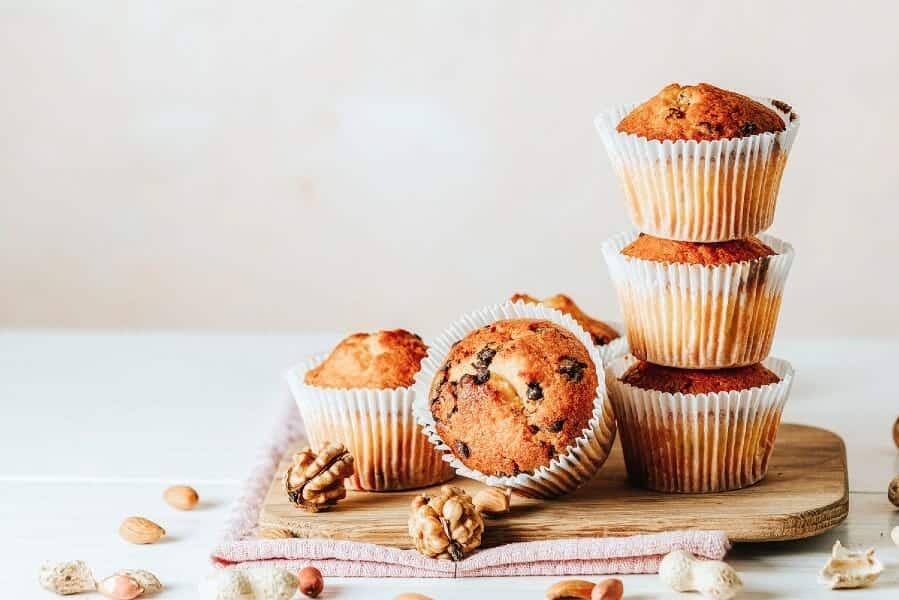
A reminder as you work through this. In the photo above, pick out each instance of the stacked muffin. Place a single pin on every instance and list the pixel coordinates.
(698, 402)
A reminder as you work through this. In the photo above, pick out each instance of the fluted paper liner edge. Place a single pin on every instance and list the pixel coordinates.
(698, 443)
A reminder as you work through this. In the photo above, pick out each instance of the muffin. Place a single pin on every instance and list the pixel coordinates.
(514, 396)
(699, 306)
(601, 333)
(648, 376)
(700, 112)
(697, 431)
(382, 360)
(699, 163)
(360, 395)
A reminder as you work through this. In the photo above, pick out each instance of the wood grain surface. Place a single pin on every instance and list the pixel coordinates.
(804, 494)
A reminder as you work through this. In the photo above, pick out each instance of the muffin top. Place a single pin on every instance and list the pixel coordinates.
(647, 247)
(648, 376)
(513, 395)
(380, 360)
(600, 332)
(700, 112)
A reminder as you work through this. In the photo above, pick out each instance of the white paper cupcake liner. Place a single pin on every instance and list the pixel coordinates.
(565, 472)
(699, 316)
(700, 191)
(377, 427)
(617, 347)
(698, 443)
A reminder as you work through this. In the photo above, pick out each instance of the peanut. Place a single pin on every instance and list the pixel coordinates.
(145, 579)
(311, 581)
(608, 589)
(712, 578)
(120, 587)
(72, 577)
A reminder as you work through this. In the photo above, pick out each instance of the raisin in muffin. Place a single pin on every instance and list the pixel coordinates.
(381, 360)
(361, 397)
(601, 333)
(513, 395)
(698, 163)
(699, 112)
(695, 431)
(699, 305)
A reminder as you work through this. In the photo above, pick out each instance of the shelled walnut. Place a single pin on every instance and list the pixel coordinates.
(445, 526)
(315, 482)
(896, 432)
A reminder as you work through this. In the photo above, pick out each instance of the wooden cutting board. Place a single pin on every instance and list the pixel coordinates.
(804, 494)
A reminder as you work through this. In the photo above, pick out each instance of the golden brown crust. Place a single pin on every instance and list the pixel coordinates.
(380, 360)
(647, 247)
(648, 376)
(699, 112)
(513, 395)
(601, 333)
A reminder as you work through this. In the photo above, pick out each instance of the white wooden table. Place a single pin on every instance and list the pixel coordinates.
(94, 426)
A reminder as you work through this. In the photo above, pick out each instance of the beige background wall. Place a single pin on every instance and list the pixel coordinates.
(344, 165)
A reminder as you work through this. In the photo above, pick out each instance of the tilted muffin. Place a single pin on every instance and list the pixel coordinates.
(696, 431)
(699, 112)
(360, 395)
(381, 360)
(602, 333)
(699, 306)
(513, 395)
(699, 163)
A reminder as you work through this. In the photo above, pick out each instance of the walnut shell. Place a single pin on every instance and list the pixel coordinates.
(447, 526)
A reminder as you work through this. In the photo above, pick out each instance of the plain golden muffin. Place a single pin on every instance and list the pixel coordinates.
(380, 360)
(647, 247)
(700, 112)
(513, 395)
(601, 333)
(648, 376)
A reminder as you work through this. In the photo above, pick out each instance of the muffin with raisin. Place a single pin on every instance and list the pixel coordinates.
(361, 396)
(510, 397)
(733, 417)
(699, 305)
(600, 332)
(700, 163)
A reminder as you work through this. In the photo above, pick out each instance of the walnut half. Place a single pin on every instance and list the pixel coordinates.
(315, 482)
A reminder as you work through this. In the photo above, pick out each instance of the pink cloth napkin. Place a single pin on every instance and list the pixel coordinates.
(582, 556)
